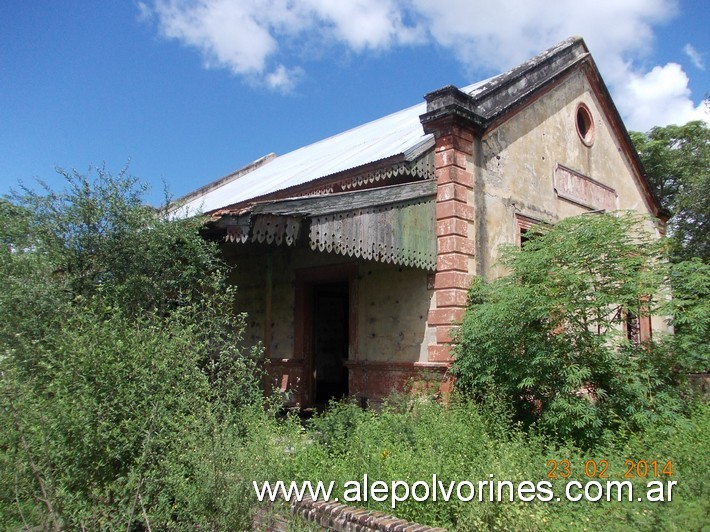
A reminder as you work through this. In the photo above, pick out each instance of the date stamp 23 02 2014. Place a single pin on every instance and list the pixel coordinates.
(564, 469)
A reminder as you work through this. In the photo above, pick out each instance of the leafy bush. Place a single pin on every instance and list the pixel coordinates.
(126, 403)
(690, 310)
(103, 242)
(550, 335)
(123, 390)
(677, 161)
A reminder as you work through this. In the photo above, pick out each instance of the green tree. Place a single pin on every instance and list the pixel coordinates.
(550, 335)
(122, 384)
(104, 242)
(677, 162)
(690, 312)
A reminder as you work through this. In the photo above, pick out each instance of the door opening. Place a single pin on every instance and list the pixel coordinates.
(330, 341)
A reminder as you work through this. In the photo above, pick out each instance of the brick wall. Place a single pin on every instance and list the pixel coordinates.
(454, 232)
(341, 518)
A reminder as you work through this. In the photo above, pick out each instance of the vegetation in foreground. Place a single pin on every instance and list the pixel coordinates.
(125, 401)
(469, 441)
(572, 360)
(123, 394)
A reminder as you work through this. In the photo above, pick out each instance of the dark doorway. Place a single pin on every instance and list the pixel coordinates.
(330, 341)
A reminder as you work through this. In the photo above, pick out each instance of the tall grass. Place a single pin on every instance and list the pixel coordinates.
(466, 441)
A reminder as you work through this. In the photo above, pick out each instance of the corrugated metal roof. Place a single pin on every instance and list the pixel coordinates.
(386, 137)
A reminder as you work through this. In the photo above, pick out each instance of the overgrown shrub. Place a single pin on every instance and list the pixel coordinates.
(691, 315)
(551, 335)
(123, 388)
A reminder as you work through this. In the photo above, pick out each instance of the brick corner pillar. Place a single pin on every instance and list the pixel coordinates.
(452, 119)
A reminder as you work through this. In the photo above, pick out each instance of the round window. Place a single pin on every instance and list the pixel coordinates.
(585, 125)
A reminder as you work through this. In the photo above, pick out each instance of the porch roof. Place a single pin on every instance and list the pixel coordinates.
(394, 224)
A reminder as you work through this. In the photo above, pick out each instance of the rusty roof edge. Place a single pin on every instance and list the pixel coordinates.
(311, 184)
(333, 203)
(410, 156)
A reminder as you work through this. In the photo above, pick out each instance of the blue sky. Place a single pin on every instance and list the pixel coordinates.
(189, 90)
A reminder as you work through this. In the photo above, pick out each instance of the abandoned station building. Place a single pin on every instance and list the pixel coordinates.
(353, 255)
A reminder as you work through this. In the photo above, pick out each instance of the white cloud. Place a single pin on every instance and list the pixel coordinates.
(247, 36)
(694, 56)
(264, 40)
(283, 79)
(659, 98)
(502, 34)
(363, 24)
(145, 13)
(229, 34)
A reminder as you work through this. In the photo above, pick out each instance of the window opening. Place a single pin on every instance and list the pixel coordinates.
(524, 225)
(585, 125)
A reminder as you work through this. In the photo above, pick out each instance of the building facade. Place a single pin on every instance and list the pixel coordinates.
(353, 255)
